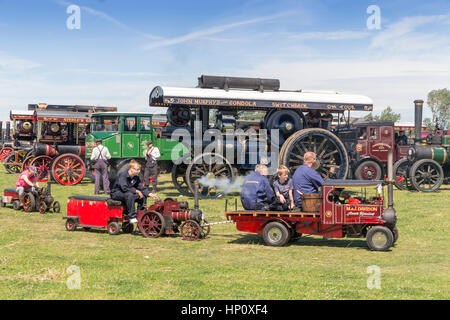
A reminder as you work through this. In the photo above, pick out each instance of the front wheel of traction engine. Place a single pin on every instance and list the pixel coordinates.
(191, 230)
(369, 170)
(426, 175)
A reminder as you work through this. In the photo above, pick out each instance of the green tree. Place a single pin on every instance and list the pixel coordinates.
(439, 103)
(388, 115)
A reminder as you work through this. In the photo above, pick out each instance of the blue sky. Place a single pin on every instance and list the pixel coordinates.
(125, 48)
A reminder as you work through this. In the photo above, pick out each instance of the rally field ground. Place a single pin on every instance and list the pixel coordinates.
(36, 252)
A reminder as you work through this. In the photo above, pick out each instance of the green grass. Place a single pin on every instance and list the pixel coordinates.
(36, 250)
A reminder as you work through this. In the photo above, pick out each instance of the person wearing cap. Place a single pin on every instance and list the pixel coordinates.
(151, 165)
(27, 181)
(100, 156)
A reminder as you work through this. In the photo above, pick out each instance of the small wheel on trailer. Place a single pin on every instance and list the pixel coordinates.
(190, 230)
(275, 234)
(16, 205)
(113, 228)
(71, 225)
(56, 207)
(127, 227)
(379, 238)
(2, 204)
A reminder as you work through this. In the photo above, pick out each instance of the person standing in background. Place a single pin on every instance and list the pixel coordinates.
(151, 166)
(100, 156)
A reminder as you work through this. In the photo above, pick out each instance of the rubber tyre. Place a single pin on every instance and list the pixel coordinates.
(113, 228)
(127, 228)
(385, 235)
(71, 225)
(275, 234)
(395, 234)
(359, 172)
(16, 205)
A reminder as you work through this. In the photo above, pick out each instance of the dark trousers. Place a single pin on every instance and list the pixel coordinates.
(129, 199)
(151, 171)
(101, 174)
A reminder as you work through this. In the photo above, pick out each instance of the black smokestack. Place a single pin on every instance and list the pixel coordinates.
(8, 131)
(418, 120)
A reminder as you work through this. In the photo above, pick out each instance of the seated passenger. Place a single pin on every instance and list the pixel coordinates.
(27, 181)
(306, 179)
(283, 188)
(401, 140)
(129, 189)
(256, 192)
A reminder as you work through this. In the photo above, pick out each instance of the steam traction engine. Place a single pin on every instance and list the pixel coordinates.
(60, 137)
(428, 164)
(225, 105)
(14, 155)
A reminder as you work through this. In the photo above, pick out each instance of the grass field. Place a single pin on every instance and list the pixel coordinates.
(36, 253)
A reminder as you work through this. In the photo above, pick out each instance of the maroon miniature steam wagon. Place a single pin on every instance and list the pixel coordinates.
(330, 214)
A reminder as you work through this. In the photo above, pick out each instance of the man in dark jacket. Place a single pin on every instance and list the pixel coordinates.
(129, 189)
(256, 192)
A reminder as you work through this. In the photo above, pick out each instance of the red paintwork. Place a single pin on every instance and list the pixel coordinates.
(94, 213)
(329, 222)
(377, 141)
(9, 196)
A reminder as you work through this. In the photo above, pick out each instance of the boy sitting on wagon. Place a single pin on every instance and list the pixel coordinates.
(283, 188)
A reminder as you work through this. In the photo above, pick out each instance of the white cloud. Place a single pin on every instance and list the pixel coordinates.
(212, 30)
(13, 64)
(403, 27)
(332, 35)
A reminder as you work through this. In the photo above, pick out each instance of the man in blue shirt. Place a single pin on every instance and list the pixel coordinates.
(306, 180)
(256, 192)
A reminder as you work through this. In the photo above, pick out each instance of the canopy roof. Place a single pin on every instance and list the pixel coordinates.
(21, 114)
(352, 183)
(252, 99)
(62, 116)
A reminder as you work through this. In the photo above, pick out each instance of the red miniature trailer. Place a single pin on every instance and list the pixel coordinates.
(330, 215)
(90, 212)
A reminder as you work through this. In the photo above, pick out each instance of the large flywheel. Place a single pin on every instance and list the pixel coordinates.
(330, 151)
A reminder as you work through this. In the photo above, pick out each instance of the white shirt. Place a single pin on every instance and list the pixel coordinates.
(105, 155)
(154, 152)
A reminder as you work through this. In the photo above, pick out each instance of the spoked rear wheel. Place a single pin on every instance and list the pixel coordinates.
(330, 151)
